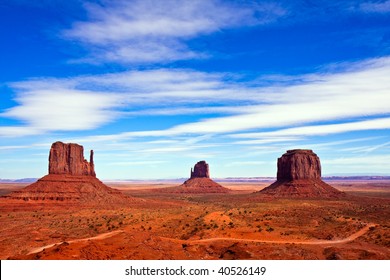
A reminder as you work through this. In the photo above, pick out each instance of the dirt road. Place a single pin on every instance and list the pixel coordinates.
(97, 237)
(308, 242)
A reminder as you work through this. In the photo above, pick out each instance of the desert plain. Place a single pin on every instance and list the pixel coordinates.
(240, 224)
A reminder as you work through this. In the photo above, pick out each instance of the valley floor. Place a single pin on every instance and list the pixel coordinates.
(237, 225)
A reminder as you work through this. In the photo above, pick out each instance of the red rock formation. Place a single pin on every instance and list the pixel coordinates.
(70, 188)
(71, 178)
(201, 170)
(299, 164)
(299, 175)
(199, 182)
(69, 159)
(91, 165)
(200, 185)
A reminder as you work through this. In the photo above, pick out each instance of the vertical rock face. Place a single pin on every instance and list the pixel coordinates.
(68, 159)
(201, 170)
(299, 164)
(91, 165)
(299, 176)
(71, 179)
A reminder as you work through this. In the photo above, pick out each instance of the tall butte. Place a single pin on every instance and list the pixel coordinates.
(201, 170)
(199, 182)
(299, 176)
(68, 159)
(71, 178)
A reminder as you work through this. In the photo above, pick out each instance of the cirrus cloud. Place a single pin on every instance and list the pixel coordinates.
(145, 31)
(352, 98)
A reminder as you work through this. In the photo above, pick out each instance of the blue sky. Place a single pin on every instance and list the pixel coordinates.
(155, 86)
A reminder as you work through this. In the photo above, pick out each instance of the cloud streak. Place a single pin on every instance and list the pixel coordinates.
(363, 91)
(61, 109)
(356, 97)
(375, 124)
(158, 31)
(375, 7)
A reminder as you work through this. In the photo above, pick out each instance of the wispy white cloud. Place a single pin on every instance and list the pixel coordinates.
(201, 155)
(157, 31)
(375, 7)
(87, 102)
(14, 147)
(340, 143)
(240, 163)
(19, 131)
(177, 148)
(371, 160)
(367, 148)
(374, 124)
(60, 109)
(165, 150)
(350, 99)
(266, 140)
(136, 163)
(361, 92)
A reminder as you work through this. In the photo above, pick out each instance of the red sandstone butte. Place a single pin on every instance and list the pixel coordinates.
(199, 182)
(69, 159)
(71, 178)
(201, 170)
(299, 175)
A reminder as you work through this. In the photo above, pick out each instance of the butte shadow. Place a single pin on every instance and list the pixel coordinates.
(71, 179)
(198, 183)
(299, 176)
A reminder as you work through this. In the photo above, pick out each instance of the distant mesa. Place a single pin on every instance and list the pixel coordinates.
(299, 175)
(199, 182)
(71, 178)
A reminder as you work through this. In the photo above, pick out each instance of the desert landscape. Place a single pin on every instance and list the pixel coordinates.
(195, 130)
(70, 214)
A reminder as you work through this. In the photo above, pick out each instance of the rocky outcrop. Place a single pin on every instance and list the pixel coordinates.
(72, 189)
(201, 170)
(71, 179)
(199, 182)
(68, 159)
(299, 176)
(299, 164)
(201, 185)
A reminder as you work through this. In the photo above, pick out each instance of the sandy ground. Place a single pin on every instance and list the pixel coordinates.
(238, 225)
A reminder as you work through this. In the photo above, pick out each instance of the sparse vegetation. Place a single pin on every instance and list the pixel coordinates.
(226, 216)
